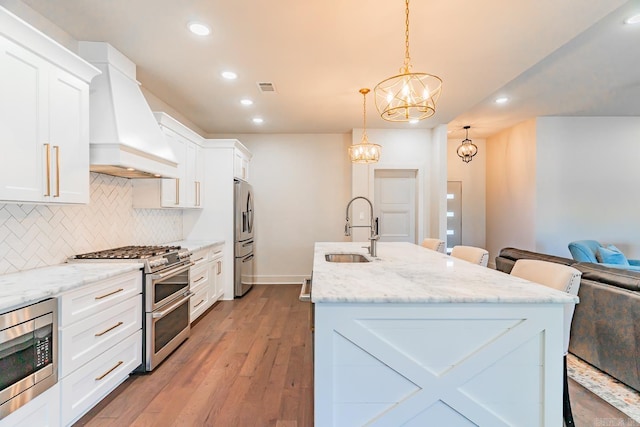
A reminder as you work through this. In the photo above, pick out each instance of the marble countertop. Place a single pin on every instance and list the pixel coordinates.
(25, 287)
(196, 245)
(408, 273)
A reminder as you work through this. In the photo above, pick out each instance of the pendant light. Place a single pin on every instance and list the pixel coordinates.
(407, 96)
(467, 149)
(364, 152)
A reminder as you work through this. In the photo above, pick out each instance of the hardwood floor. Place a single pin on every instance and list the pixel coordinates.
(248, 362)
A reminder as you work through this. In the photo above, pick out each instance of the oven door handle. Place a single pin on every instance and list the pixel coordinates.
(170, 273)
(173, 306)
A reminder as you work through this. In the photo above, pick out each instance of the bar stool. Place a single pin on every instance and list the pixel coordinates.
(434, 244)
(472, 254)
(563, 278)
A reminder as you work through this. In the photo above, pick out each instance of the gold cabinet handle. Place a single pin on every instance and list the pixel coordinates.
(57, 150)
(198, 260)
(99, 334)
(48, 168)
(219, 267)
(198, 279)
(177, 191)
(198, 304)
(109, 294)
(109, 371)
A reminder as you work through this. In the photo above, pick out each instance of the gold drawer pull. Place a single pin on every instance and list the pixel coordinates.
(177, 191)
(219, 267)
(57, 150)
(198, 304)
(48, 168)
(109, 294)
(109, 371)
(99, 334)
(199, 259)
(198, 279)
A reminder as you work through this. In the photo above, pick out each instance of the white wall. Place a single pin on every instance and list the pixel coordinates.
(511, 189)
(588, 182)
(472, 176)
(423, 150)
(302, 183)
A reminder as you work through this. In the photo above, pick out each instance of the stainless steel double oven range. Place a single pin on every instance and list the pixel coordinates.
(165, 296)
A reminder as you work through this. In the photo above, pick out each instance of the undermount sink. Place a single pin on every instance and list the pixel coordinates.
(345, 258)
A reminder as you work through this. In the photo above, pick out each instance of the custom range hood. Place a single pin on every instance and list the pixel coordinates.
(125, 139)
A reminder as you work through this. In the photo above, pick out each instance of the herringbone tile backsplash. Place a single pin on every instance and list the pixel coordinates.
(34, 236)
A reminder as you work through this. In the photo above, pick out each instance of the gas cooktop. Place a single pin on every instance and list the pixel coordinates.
(154, 258)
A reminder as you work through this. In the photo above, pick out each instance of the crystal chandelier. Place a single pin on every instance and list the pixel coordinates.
(364, 152)
(408, 96)
(467, 149)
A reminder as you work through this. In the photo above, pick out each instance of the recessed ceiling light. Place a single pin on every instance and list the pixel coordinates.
(258, 120)
(229, 75)
(502, 100)
(246, 101)
(635, 19)
(199, 29)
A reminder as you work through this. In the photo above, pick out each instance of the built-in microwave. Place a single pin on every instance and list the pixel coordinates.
(28, 353)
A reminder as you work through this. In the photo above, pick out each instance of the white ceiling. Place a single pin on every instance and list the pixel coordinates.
(551, 57)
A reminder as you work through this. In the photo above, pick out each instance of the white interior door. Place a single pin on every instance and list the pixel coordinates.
(395, 204)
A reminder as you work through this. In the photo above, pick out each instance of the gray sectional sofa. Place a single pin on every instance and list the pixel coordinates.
(605, 331)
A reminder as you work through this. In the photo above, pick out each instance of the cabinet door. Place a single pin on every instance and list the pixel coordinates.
(199, 175)
(173, 190)
(23, 131)
(190, 175)
(217, 276)
(241, 166)
(68, 136)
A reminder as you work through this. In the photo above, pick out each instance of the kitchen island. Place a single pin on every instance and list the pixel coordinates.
(417, 338)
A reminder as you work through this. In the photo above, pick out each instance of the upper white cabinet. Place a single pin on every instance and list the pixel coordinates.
(44, 103)
(184, 191)
(241, 164)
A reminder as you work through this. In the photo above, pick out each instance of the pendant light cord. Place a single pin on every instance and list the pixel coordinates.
(407, 58)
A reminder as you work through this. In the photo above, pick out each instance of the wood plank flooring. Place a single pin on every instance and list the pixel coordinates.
(248, 362)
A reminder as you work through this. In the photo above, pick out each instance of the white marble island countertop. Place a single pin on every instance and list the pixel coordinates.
(30, 286)
(196, 245)
(408, 273)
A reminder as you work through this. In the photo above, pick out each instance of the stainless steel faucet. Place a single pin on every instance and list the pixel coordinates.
(373, 238)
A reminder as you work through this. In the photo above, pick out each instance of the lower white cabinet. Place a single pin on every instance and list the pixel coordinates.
(43, 411)
(86, 386)
(206, 279)
(100, 330)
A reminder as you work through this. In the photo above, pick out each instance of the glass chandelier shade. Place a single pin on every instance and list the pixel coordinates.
(364, 152)
(467, 149)
(407, 96)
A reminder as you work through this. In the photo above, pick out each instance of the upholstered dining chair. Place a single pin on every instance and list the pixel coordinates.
(472, 254)
(563, 278)
(434, 244)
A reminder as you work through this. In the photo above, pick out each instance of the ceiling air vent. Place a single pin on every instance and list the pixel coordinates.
(267, 87)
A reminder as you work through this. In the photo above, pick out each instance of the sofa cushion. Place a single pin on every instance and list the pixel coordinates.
(516, 254)
(621, 278)
(611, 255)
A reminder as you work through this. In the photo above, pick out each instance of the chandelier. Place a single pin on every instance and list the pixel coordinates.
(364, 152)
(407, 96)
(467, 149)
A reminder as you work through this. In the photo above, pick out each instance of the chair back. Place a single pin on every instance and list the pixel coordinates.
(434, 244)
(557, 276)
(584, 250)
(472, 254)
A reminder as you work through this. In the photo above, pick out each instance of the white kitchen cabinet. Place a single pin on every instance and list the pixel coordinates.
(42, 411)
(184, 191)
(206, 283)
(241, 164)
(44, 101)
(100, 330)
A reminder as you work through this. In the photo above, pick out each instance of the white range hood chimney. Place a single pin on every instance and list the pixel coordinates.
(125, 139)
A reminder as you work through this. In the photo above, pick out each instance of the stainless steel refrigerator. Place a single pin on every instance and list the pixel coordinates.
(243, 237)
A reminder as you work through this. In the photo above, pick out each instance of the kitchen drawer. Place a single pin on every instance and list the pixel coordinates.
(198, 303)
(85, 387)
(88, 300)
(83, 341)
(199, 276)
(201, 257)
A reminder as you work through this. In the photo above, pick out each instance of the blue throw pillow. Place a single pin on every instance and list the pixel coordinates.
(611, 255)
